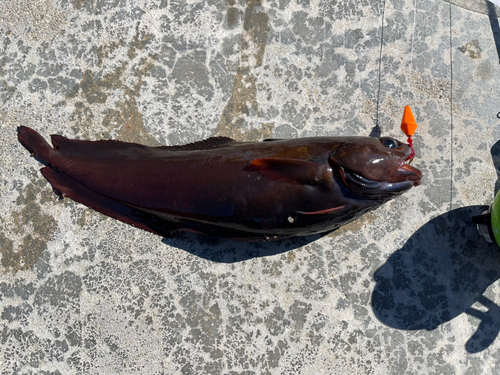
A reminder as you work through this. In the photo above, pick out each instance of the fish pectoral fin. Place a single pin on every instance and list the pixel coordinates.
(303, 172)
(70, 188)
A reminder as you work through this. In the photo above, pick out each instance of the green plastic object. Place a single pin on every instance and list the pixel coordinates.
(488, 223)
(495, 218)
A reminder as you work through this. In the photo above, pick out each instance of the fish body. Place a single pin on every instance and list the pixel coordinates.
(253, 191)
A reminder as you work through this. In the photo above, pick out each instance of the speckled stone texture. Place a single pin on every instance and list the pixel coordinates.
(408, 289)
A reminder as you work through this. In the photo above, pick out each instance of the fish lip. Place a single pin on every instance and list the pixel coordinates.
(409, 173)
(396, 188)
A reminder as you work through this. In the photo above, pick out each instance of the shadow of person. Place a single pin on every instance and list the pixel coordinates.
(441, 272)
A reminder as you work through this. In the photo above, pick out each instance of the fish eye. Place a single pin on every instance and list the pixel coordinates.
(389, 143)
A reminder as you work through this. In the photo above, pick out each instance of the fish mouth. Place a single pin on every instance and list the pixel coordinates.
(409, 173)
(406, 176)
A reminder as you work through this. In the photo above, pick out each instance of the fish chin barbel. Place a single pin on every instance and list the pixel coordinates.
(250, 191)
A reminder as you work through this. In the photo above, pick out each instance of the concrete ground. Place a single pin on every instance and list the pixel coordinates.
(408, 289)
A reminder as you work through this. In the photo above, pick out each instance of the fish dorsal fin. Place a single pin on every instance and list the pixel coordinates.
(296, 171)
(112, 148)
(207, 144)
(60, 142)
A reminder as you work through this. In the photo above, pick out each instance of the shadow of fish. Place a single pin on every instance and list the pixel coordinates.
(250, 191)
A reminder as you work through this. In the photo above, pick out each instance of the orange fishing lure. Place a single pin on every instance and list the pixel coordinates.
(408, 126)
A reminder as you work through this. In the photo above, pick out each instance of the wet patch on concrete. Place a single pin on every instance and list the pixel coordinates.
(95, 89)
(355, 226)
(127, 117)
(106, 51)
(243, 101)
(232, 13)
(471, 49)
(31, 230)
(433, 88)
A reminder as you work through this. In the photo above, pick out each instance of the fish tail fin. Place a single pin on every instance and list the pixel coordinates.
(35, 143)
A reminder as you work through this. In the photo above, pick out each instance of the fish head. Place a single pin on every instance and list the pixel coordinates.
(374, 168)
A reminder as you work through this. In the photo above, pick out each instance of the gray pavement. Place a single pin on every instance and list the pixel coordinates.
(408, 289)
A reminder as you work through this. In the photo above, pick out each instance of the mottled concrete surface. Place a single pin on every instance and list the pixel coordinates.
(408, 289)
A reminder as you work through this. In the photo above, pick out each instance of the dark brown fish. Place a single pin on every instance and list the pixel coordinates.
(252, 191)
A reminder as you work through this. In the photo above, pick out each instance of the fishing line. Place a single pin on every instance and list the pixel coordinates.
(451, 115)
(376, 131)
(407, 132)
(412, 40)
